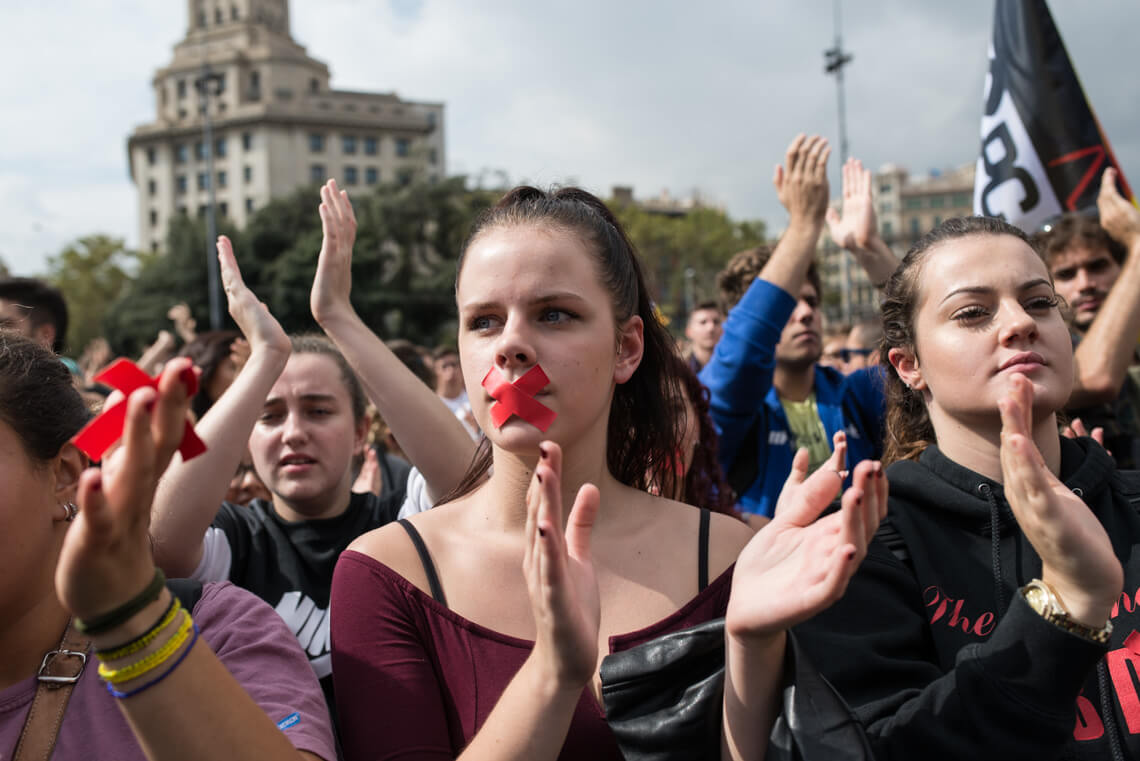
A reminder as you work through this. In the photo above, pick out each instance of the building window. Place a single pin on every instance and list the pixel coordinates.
(151, 156)
(314, 85)
(348, 144)
(371, 175)
(201, 19)
(203, 181)
(350, 175)
(218, 17)
(913, 203)
(914, 226)
(234, 12)
(316, 142)
(885, 187)
(201, 210)
(254, 85)
(154, 247)
(151, 187)
(937, 221)
(317, 173)
(153, 218)
(433, 156)
(181, 153)
(887, 230)
(403, 146)
(404, 177)
(371, 146)
(937, 202)
(249, 206)
(224, 209)
(182, 209)
(220, 147)
(180, 184)
(431, 118)
(199, 150)
(222, 179)
(962, 199)
(247, 174)
(246, 141)
(181, 88)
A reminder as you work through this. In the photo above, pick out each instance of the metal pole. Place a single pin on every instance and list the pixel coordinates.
(835, 59)
(214, 276)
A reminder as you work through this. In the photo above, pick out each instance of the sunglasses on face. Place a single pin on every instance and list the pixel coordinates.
(845, 355)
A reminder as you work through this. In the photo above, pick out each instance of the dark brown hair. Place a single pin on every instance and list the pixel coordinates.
(908, 426)
(315, 343)
(1075, 229)
(44, 301)
(704, 482)
(208, 350)
(744, 267)
(37, 397)
(643, 432)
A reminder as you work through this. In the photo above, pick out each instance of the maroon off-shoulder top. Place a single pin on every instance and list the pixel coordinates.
(415, 680)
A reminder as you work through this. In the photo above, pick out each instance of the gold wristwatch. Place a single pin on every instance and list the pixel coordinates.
(1048, 605)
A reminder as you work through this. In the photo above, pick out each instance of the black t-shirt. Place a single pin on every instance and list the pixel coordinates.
(290, 565)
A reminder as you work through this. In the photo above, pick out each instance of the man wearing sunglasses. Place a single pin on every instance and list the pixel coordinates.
(1095, 263)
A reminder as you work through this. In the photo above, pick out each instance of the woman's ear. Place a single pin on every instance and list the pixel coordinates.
(631, 345)
(360, 436)
(905, 362)
(67, 467)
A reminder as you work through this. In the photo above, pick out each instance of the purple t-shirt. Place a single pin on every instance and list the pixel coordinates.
(251, 641)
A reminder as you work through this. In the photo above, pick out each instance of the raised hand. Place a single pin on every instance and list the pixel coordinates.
(560, 574)
(253, 319)
(799, 563)
(1076, 555)
(333, 282)
(106, 557)
(857, 228)
(801, 185)
(1118, 216)
(1076, 429)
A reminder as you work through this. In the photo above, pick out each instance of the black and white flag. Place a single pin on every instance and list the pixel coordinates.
(1043, 152)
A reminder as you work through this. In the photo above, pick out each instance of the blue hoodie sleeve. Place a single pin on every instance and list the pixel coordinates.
(739, 375)
(1012, 696)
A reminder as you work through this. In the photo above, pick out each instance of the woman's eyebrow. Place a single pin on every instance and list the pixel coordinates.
(984, 289)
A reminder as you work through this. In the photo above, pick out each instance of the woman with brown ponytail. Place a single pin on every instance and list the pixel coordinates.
(988, 620)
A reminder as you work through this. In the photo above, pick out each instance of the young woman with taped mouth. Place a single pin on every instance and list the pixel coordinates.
(299, 405)
(990, 622)
(476, 629)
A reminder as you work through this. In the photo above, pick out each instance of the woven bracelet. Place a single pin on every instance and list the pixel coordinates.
(131, 693)
(124, 612)
(143, 640)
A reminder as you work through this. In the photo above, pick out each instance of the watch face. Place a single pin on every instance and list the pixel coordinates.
(1037, 598)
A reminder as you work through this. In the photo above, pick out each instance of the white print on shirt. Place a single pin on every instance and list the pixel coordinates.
(311, 625)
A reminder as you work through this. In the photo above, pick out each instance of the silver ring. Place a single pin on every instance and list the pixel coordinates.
(72, 511)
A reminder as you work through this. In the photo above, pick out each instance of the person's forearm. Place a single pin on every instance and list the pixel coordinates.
(753, 673)
(189, 493)
(432, 437)
(793, 255)
(1104, 354)
(168, 718)
(877, 260)
(530, 721)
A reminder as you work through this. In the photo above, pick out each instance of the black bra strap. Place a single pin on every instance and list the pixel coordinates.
(425, 558)
(703, 551)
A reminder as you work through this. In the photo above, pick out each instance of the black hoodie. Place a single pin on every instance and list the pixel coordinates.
(940, 655)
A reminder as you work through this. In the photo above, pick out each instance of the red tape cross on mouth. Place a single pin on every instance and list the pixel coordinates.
(107, 428)
(518, 398)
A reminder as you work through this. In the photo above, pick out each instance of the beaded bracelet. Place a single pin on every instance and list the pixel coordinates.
(152, 661)
(131, 693)
(140, 642)
(124, 612)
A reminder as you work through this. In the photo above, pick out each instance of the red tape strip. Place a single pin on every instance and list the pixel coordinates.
(98, 435)
(518, 398)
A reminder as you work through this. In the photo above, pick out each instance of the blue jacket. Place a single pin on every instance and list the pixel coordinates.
(745, 406)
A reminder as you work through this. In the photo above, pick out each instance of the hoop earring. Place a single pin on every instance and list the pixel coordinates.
(72, 510)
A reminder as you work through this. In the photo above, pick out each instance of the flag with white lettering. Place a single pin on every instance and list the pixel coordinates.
(1043, 151)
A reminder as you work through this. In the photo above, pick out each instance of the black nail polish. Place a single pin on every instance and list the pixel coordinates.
(542, 451)
(538, 476)
(541, 531)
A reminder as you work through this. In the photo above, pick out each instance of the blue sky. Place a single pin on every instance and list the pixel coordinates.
(664, 94)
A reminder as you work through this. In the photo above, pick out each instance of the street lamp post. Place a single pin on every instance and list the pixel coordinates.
(834, 60)
(211, 83)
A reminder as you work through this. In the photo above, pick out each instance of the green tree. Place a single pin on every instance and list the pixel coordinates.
(91, 273)
(702, 240)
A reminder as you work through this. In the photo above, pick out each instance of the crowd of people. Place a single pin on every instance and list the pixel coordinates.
(383, 551)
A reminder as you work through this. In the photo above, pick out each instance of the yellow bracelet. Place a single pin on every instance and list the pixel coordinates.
(142, 642)
(152, 661)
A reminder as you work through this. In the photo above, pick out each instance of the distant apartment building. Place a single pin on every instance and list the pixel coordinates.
(907, 208)
(276, 123)
(663, 203)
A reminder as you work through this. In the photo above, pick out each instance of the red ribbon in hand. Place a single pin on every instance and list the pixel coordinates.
(518, 398)
(107, 428)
